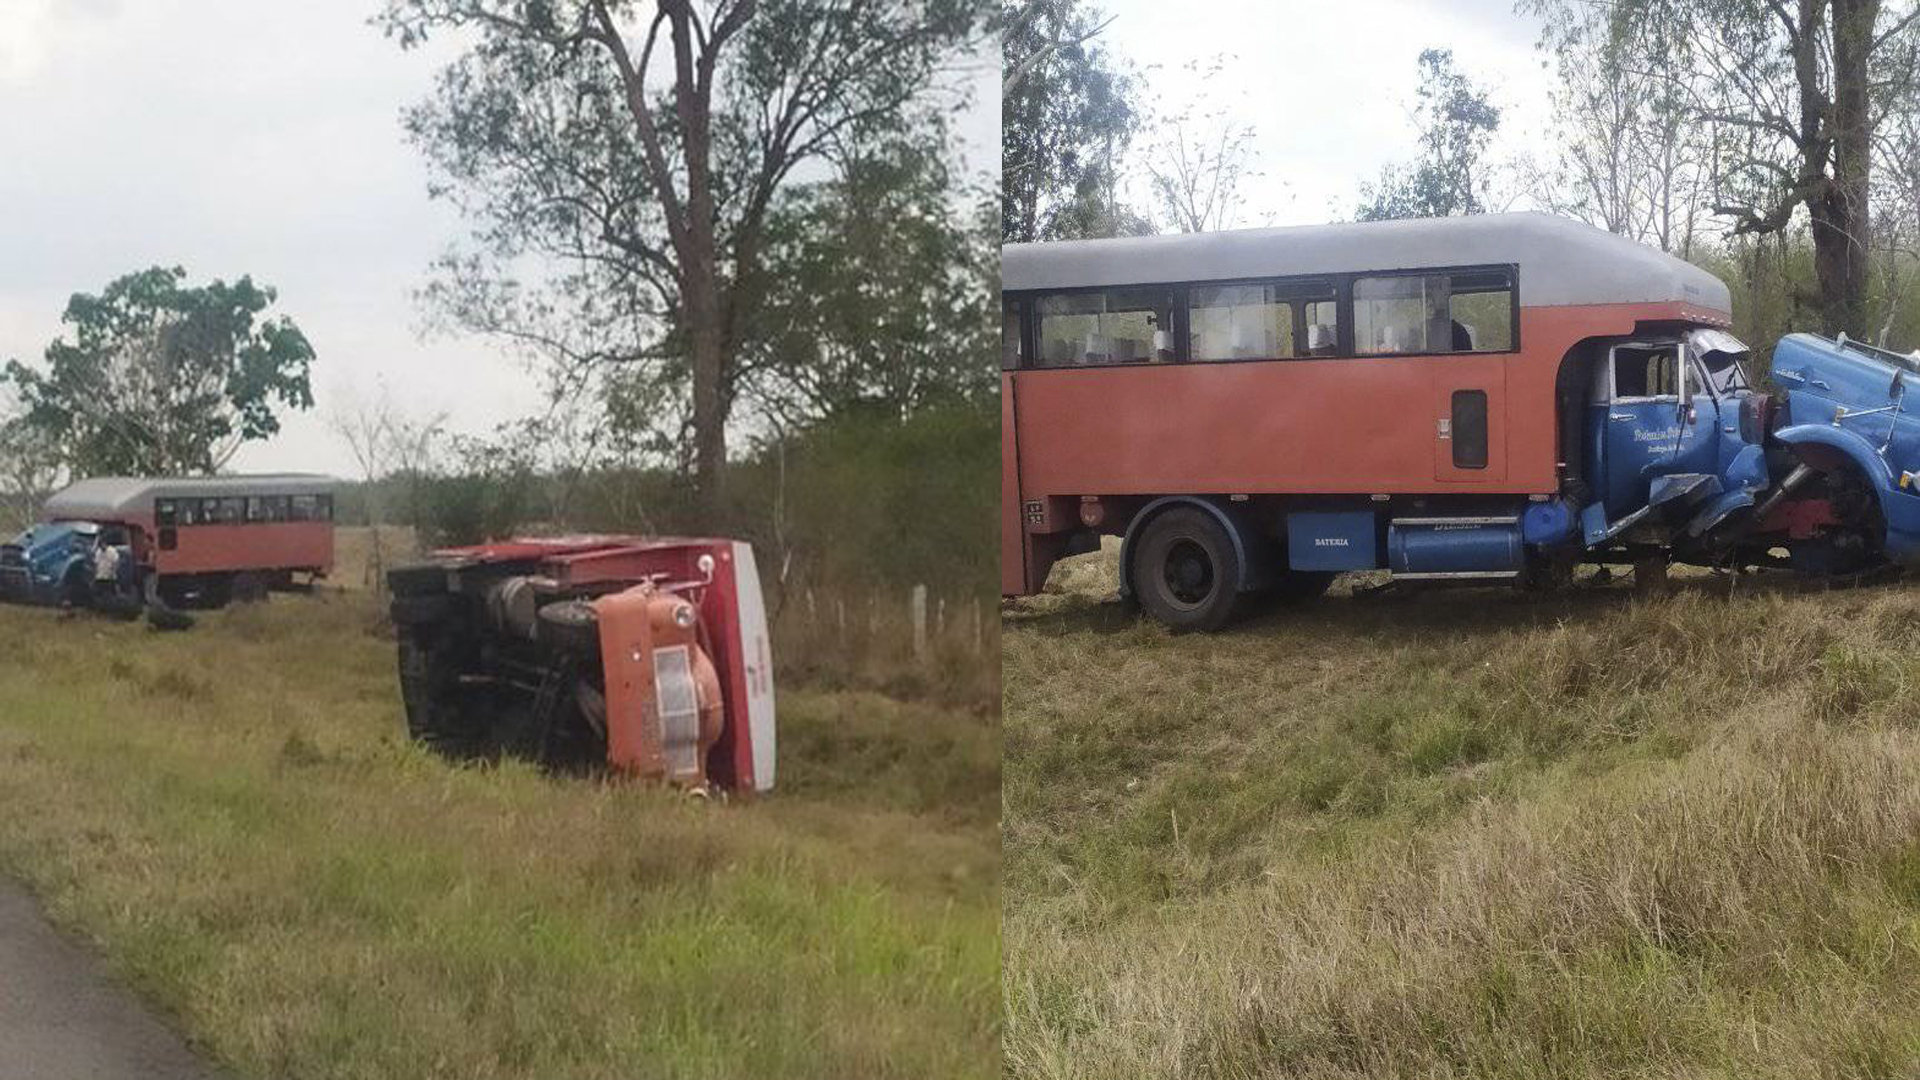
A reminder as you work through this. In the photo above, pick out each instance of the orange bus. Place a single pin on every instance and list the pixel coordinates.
(198, 542)
(1258, 410)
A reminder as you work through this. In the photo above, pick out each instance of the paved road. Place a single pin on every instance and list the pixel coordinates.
(63, 1018)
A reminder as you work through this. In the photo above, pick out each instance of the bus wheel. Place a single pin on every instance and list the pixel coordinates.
(249, 587)
(1185, 571)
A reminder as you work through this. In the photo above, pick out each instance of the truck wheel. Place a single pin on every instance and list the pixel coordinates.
(1185, 571)
(433, 717)
(571, 625)
(420, 610)
(76, 589)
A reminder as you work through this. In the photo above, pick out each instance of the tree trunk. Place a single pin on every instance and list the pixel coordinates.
(1839, 208)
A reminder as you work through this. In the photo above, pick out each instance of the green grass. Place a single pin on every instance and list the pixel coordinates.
(1466, 834)
(235, 817)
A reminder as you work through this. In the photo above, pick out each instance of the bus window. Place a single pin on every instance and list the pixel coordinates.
(1396, 314)
(301, 508)
(1239, 322)
(233, 510)
(1121, 326)
(1481, 310)
(1322, 320)
(165, 512)
(1012, 344)
(323, 508)
(1469, 311)
(209, 511)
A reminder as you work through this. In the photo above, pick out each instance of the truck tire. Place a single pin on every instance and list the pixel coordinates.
(76, 587)
(1185, 571)
(421, 609)
(427, 692)
(571, 625)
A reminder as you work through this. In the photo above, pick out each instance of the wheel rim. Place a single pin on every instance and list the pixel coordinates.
(1187, 573)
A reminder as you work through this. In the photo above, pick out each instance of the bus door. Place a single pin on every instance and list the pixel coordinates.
(1469, 417)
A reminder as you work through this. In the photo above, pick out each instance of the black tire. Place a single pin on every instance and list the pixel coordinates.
(1185, 571)
(76, 588)
(430, 696)
(420, 610)
(161, 617)
(571, 625)
(249, 587)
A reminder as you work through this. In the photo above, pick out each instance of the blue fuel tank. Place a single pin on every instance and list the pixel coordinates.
(1449, 547)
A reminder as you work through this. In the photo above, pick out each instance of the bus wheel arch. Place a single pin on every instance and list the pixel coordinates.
(1199, 554)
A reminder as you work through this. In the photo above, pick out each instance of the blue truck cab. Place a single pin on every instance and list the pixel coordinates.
(58, 563)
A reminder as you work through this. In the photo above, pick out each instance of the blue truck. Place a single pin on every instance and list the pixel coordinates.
(74, 563)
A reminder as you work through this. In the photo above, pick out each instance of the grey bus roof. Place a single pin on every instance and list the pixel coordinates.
(111, 497)
(1561, 261)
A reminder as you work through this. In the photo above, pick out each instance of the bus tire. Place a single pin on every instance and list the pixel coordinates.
(249, 587)
(1186, 571)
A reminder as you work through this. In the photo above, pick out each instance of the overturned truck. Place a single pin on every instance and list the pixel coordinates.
(646, 656)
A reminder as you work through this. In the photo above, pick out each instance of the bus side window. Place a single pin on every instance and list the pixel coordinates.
(1323, 328)
(233, 510)
(1120, 326)
(1480, 308)
(165, 512)
(300, 508)
(1238, 322)
(325, 508)
(209, 511)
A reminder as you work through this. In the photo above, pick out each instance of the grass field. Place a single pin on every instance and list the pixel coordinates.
(1466, 834)
(234, 816)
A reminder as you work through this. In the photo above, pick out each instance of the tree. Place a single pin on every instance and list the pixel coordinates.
(653, 195)
(1197, 163)
(163, 379)
(1632, 160)
(882, 294)
(1797, 91)
(1067, 116)
(1456, 120)
(29, 471)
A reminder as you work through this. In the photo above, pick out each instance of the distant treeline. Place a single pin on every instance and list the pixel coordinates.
(864, 501)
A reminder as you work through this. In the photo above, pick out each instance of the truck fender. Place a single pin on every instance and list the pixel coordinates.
(1900, 509)
(1254, 574)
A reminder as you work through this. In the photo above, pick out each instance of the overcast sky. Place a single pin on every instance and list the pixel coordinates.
(1328, 87)
(253, 137)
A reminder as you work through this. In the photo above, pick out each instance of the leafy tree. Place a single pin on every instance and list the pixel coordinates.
(1067, 116)
(1795, 93)
(652, 192)
(1456, 120)
(1632, 159)
(881, 293)
(160, 378)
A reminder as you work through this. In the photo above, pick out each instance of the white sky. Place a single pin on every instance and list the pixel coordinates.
(1328, 87)
(246, 137)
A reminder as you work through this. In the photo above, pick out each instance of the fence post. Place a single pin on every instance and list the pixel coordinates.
(919, 609)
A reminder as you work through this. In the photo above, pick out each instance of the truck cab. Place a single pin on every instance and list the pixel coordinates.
(1673, 437)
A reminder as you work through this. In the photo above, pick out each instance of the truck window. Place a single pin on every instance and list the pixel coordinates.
(1646, 371)
(1119, 326)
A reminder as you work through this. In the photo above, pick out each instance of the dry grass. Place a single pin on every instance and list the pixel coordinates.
(233, 815)
(1466, 834)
